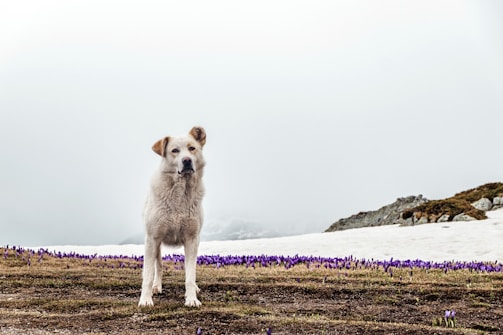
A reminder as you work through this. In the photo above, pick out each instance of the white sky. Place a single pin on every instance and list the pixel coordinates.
(314, 110)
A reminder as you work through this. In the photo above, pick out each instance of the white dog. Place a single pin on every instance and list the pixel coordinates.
(173, 214)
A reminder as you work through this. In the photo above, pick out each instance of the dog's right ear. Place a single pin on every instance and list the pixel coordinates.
(159, 147)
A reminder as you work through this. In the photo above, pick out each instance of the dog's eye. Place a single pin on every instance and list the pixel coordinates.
(192, 148)
(175, 150)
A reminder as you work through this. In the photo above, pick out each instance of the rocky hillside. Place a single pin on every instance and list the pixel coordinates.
(386, 215)
(464, 206)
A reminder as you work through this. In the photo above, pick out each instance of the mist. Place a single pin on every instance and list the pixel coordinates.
(313, 111)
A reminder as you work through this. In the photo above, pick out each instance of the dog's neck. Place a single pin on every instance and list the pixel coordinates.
(184, 191)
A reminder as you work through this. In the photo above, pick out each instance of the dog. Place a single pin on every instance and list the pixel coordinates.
(173, 213)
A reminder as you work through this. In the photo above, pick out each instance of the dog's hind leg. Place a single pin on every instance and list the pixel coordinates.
(152, 250)
(191, 288)
(157, 286)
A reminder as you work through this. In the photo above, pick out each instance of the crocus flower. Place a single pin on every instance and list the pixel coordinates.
(450, 318)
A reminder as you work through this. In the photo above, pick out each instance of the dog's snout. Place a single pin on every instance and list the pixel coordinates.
(187, 161)
(187, 166)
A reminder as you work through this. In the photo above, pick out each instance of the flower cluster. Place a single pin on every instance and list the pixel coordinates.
(341, 263)
(450, 318)
(199, 331)
(264, 261)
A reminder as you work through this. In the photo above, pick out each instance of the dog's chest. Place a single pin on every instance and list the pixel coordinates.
(181, 199)
(186, 228)
(176, 214)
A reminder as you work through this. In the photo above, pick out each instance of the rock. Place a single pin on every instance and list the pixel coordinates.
(422, 220)
(483, 204)
(443, 218)
(498, 201)
(463, 217)
(386, 215)
(407, 222)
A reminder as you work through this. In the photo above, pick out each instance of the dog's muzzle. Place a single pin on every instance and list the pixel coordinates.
(187, 168)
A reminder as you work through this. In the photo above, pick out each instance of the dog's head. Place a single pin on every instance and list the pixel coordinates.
(182, 155)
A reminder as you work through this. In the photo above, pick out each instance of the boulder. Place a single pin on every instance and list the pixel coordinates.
(498, 201)
(443, 218)
(483, 204)
(463, 217)
(403, 222)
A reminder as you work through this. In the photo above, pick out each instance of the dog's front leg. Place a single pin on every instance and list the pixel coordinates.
(191, 288)
(152, 250)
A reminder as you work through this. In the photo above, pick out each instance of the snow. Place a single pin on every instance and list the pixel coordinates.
(460, 241)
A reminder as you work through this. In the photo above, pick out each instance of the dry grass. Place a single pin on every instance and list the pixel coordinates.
(436, 208)
(74, 296)
(490, 191)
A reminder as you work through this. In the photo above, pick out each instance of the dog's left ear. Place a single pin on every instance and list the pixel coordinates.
(199, 135)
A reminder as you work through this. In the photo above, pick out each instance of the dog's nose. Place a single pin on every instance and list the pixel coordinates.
(187, 161)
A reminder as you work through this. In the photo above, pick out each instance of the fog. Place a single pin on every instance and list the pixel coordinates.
(313, 110)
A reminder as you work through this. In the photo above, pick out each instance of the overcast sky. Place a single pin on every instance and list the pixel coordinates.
(314, 110)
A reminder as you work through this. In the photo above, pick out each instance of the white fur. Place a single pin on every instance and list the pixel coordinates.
(173, 214)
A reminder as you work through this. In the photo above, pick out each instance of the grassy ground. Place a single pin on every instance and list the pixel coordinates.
(78, 296)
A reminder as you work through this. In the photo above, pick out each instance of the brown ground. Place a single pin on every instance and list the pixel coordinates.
(68, 296)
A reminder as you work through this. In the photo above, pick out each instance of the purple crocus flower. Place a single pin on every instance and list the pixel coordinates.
(199, 331)
(268, 331)
(453, 319)
(450, 320)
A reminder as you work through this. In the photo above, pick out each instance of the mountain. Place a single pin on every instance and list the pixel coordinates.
(386, 215)
(464, 206)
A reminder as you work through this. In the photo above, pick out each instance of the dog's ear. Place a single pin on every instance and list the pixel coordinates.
(159, 147)
(199, 135)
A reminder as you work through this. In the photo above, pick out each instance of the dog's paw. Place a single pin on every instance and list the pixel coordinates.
(157, 288)
(192, 302)
(146, 302)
